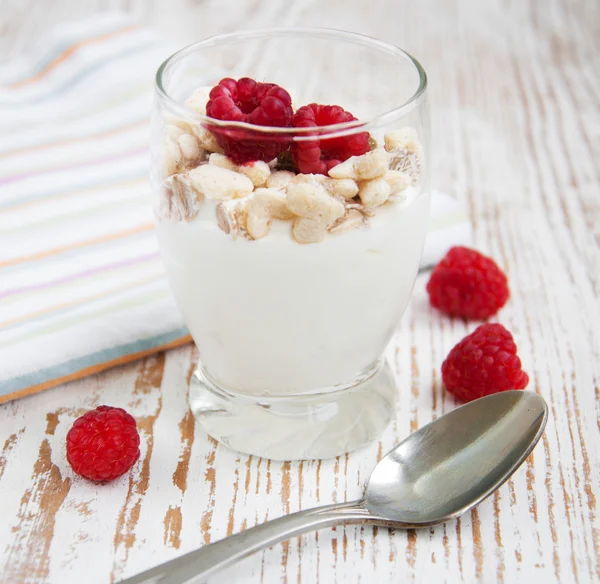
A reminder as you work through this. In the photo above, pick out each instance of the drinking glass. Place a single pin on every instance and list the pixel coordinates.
(292, 326)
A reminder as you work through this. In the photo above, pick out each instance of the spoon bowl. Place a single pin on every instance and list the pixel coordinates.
(450, 465)
(434, 475)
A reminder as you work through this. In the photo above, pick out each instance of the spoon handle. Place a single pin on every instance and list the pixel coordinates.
(202, 563)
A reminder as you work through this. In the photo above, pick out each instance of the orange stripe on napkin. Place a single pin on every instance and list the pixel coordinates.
(87, 137)
(74, 303)
(67, 53)
(94, 369)
(77, 191)
(57, 250)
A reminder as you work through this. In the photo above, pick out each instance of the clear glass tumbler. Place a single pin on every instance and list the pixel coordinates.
(291, 250)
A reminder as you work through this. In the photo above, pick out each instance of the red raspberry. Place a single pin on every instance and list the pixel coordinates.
(245, 100)
(319, 155)
(483, 363)
(103, 444)
(468, 284)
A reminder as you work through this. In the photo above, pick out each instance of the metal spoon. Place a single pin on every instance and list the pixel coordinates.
(436, 474)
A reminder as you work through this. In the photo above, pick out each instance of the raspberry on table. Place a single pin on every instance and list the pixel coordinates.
(468, 284)
(247, 100)
(318, 156)
(103, 444)
(483, 363)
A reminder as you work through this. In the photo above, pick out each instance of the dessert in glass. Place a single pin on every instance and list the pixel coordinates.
(291, 202)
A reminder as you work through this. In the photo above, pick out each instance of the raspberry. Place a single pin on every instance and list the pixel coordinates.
(246, 100)
(103, 444)
(483, 363)
(468, 284)
(319, 155)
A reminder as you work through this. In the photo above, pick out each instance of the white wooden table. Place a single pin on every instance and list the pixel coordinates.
(515, 94)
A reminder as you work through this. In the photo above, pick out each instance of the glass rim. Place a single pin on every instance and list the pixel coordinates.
(333, 130)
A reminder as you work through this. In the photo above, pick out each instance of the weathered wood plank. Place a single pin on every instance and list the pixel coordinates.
(515, 90)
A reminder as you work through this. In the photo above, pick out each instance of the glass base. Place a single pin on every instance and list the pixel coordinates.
(319, 425)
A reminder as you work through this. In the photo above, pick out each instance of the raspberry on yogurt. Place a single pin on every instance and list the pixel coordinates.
(247, 100)
(318, 156)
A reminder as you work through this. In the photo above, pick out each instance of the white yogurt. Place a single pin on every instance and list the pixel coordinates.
(274, 317)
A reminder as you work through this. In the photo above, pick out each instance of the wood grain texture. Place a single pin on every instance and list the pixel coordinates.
(515, 94)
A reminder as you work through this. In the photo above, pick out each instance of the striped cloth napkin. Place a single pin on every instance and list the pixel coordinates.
(82, 287)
